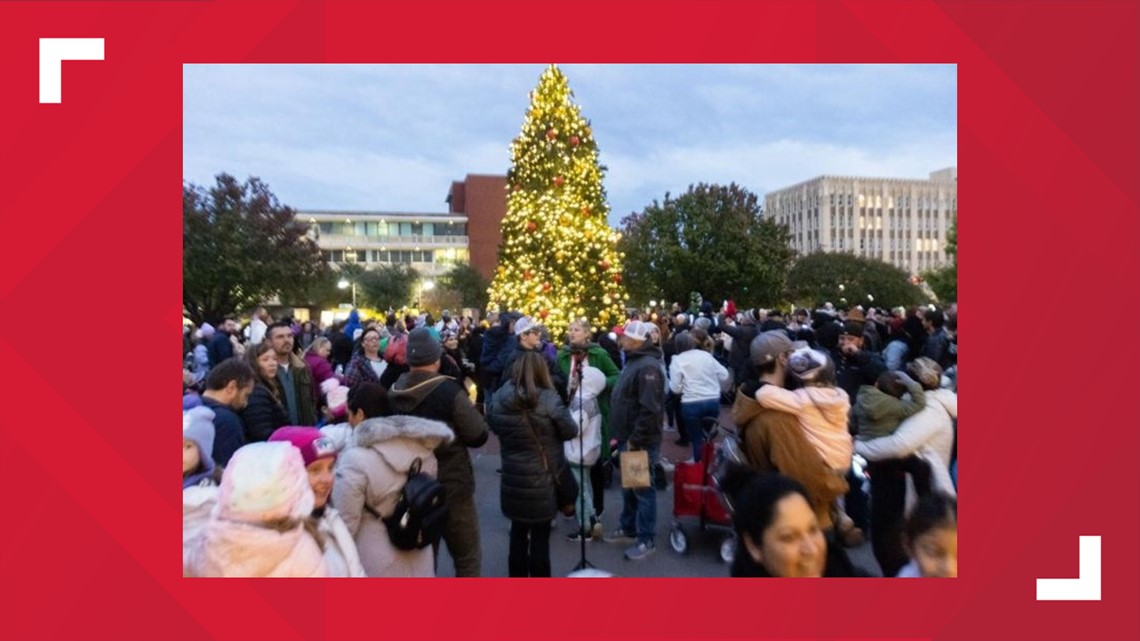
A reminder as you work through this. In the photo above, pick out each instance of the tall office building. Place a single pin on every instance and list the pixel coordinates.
(901, 221)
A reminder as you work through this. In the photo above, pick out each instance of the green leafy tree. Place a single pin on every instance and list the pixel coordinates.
(557, 260)
(241, 247)
(712, 239)
(944, 280)
(844, 278)
(468, 284)
(387, 286)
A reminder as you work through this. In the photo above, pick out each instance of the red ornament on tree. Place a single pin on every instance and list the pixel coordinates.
(527, 274)
(617, 278)
(551, 134)
(558, 181)
(530, 226)
(605, 264)
(546, 287)
(574, 141)
(544, 313)
(585, 211)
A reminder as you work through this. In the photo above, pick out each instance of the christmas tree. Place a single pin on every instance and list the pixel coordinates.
(558, 259)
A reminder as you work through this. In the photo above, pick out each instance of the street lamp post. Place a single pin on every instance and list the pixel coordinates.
(345, 283)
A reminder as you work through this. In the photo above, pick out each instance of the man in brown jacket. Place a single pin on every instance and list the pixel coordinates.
(773, 440)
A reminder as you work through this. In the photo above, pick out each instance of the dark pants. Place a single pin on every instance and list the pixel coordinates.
(888, 508)
(461, 534)
(530, 549)
(855, 503)
(598, 485)
(673, 411)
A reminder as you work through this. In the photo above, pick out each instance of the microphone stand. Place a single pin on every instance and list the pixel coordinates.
(582, 474)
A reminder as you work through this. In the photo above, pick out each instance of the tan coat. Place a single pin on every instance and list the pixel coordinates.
(371, 472)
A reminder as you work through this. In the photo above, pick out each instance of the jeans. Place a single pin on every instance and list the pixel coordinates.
(639, 507)
(691, 415)
(585, 497)
(530, 549)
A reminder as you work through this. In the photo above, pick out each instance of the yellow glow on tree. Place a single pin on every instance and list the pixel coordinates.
(558, 259)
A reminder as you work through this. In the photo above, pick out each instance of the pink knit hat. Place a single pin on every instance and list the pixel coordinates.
(309, 440)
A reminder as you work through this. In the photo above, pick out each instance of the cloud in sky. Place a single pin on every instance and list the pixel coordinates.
(393, 137)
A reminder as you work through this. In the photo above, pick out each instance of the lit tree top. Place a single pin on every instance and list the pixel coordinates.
(558, 259)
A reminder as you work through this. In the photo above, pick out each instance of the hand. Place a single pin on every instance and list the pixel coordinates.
(613, 443)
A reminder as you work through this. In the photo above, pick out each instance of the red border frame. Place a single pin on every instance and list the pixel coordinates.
(89, 263)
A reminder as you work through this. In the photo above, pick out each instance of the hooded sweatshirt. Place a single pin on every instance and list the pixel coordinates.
(432, 396)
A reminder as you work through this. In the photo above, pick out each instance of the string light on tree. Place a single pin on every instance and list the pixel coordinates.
(558, 259)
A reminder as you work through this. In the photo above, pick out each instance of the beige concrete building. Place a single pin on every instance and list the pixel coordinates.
(430, 242)
(901, 221)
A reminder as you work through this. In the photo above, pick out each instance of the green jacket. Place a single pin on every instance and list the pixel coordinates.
(879, 414)
(599, 358)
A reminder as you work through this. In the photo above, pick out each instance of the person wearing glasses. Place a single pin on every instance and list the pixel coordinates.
(367, 365)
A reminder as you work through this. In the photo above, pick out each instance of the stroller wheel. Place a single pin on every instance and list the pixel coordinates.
(677, 539)
(728, 549)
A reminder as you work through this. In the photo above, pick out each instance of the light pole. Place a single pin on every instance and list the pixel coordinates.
(345, 283)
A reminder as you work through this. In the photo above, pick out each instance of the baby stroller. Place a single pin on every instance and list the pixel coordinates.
(696, 491)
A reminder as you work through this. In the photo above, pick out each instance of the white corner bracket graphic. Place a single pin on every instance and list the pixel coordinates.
(1086, 587)
(53, 51)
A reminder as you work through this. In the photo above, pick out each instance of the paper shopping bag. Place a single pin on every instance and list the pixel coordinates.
(635, 469)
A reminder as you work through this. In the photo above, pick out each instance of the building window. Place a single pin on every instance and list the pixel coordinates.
(326, 228)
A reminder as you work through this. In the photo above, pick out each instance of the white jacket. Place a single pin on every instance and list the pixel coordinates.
(341, 556)
(929, 434)
(696, 376)
(232, 548)
(197, 503)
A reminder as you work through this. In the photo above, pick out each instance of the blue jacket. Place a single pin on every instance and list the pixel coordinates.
(229, 431)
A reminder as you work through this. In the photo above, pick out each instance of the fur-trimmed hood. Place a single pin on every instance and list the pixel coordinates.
(376, 430)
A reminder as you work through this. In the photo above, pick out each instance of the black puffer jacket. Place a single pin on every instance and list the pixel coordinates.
(527, 493)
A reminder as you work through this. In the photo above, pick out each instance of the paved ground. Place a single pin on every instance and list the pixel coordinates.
(701, 560)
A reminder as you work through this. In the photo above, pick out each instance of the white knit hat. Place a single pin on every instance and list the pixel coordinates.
(265, 482)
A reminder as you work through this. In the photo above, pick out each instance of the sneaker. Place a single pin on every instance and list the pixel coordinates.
(576, 536)
(640, 551)
(621, 535)
(596, 531)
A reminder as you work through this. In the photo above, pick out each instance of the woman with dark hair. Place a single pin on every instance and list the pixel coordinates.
(531, 422)
(367, 365)
(698, 379)
(777, 534)
(265, 410)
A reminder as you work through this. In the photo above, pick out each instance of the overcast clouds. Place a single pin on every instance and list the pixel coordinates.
(393, 137)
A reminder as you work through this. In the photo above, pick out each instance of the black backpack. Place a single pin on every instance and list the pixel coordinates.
(421, 511)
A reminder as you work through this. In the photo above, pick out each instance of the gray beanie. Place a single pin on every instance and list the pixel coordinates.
(423, 348)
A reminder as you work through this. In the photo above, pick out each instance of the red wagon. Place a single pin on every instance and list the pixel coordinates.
(696, 494)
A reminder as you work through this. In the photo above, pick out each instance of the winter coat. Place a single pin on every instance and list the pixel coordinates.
(219, 348)
(861, 369)
(371, 473)
(527, 489)
(229, 431)
(637, 405)
(263, 413)
(599, 358)
(236, 549)
(929, 434)
(822, 415)
(359, 371)
(494, 339)
(303, 385)
(695, 375)
(197, 502)
(773, 441)
(341, 557)
(428, 395)
(322, 370)
(879, 414)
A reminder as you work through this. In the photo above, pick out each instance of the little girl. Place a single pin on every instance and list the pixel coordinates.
(199, 475)
(932, 539)
(820, 407)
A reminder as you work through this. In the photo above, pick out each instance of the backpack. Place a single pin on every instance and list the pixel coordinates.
(421, 511)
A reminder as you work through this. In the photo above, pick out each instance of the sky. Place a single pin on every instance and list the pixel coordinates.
(394, 137)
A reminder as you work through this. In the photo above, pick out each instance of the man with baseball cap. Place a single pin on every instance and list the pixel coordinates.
(772, 439)
(637, 410)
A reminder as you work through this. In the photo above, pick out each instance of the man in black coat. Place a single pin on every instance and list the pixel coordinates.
(637, 409)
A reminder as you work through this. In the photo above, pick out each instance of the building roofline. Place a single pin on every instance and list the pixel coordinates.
(354, 212)
(861, 178)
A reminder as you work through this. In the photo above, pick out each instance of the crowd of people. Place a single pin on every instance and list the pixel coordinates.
(300, 443)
